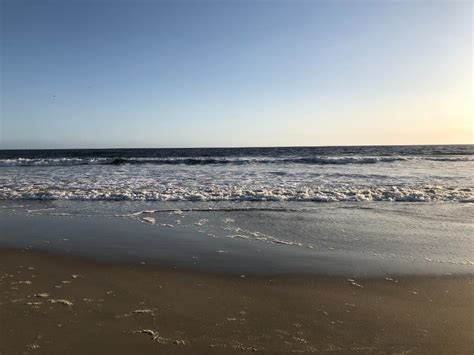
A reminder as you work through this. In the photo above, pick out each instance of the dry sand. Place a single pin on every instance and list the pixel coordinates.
(53, 304)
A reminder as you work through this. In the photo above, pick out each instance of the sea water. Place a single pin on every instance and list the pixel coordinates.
(401, 208)
(322, 174)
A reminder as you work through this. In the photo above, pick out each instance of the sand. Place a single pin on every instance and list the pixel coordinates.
(52, 304)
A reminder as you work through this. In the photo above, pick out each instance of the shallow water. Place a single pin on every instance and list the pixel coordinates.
(350, 239)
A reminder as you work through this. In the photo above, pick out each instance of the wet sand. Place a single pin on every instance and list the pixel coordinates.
(53, 304)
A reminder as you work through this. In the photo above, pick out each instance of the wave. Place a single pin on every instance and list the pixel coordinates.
(244, 193)
(317, 160)
(53, 161)
(450, 159)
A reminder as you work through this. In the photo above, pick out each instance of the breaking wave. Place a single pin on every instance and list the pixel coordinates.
(318, 160)
(243, 193)
(400, 174)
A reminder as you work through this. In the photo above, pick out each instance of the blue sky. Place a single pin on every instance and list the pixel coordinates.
(235, 73)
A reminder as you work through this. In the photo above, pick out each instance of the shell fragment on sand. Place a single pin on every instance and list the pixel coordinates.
(150, 311)
(155, 336)
(61, 301)
(32, 346)
(34, 303)
(354, 283)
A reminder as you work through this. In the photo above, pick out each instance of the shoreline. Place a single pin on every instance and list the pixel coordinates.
(153, 308)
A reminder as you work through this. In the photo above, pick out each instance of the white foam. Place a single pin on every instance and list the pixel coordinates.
(149, 220)
(295, 179)
(240, 193)
(239, 161)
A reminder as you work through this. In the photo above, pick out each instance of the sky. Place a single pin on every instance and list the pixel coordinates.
(103, 73)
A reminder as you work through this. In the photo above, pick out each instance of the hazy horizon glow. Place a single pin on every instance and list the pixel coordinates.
(86, 74)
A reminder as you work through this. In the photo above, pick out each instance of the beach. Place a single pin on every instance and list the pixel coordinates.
(63, 304)
(232, 177)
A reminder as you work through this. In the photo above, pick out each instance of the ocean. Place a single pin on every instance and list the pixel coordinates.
(306, 174)
(338, 210)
